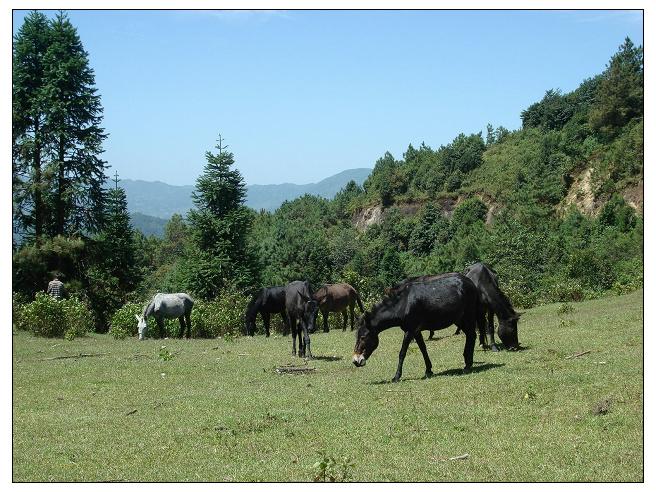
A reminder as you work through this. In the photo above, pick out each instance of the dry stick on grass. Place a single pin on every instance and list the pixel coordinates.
(74, 356)
(578, 355)
(294, 369)
(454, 458)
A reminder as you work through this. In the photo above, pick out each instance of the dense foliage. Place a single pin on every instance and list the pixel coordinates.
(47, 316)
(544, 205)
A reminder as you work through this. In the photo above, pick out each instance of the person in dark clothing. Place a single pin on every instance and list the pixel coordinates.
(56, 288)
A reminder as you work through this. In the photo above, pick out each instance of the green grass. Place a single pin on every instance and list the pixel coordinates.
(218, 411)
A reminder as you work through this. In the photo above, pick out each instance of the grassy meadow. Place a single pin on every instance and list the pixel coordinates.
(217, 410)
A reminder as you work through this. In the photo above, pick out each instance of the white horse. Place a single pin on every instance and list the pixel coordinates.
(167, 306)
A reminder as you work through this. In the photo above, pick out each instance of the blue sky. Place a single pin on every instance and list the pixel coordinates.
(301, 95)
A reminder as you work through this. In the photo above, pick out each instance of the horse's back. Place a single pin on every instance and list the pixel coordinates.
(177, 304)
(443, 300)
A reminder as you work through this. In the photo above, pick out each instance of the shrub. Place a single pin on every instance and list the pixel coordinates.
(50, 317)
(223, 316)
(124, 323)
(629, 276)
(18, 302)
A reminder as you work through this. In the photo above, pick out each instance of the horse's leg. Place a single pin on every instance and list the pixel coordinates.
(182, 326)
(490, 330)
(480, 324)
(325, 314)
(352, 310)
(266, 317)
(430, 335)
(306, 341)
(160, 326)
(345, 319)
(292, 326)
(470, 342)
(419, 338)
(188, 323)
(407, 338)
(285, 323)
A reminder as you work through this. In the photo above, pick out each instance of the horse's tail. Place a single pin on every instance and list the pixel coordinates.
(359, 301)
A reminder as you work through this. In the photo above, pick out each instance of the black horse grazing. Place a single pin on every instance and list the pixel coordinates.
(266, 301)
(495, 302)
(303, 308)
(433, 303)
(410, 280)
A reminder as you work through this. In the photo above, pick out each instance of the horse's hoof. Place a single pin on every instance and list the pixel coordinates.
(467, 370)
(428, 375)
(495, 348)
(395, 379)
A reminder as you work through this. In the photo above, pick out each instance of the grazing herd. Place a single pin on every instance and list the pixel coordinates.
(429, 302)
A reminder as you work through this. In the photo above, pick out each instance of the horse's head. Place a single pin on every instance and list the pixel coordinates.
(310, 312)
(142, 326)
(366, 341)
(508, 332)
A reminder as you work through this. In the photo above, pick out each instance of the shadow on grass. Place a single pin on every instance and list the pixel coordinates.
(329, 358)
(478, 367)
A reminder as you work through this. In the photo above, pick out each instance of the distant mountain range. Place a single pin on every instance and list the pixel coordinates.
(152, 203)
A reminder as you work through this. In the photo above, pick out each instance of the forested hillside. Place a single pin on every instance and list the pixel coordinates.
(554, 207)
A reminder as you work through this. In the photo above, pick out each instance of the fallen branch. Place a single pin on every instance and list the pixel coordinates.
(294, 369)
(578, 355)
(454, 458)
(78, 356)
(131, 412)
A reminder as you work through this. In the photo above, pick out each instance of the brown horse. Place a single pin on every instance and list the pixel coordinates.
(335, 298)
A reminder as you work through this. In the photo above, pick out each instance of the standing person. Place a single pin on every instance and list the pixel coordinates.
(56, 288)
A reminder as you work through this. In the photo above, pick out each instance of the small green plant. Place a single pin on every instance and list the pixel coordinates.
(164, 353)
(328, 469)
(565, 308)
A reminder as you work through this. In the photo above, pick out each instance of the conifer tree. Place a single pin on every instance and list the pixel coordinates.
(58, 176)
(219, 226)
(73, 116)
(117, 240)
(28, 117)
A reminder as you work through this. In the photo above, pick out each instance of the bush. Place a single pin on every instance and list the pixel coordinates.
(124, 324)
(18, 302)
(49, 317)
(223, 316)
(629, 276)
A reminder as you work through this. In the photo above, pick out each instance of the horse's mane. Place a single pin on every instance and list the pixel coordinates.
(251, 309)
(148, 310)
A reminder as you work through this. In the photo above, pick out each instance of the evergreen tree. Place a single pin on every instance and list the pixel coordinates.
(57, 175)
(73, 116)
(117, 240)
(219, 226)
(620, 95)
(114, 267)
(28, 116)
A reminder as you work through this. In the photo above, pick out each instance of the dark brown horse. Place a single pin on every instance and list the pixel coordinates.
(336, 298)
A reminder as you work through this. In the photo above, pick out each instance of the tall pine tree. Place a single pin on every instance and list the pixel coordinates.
(73, 116)
(58, 175)
(219, 226)
(28, 117)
